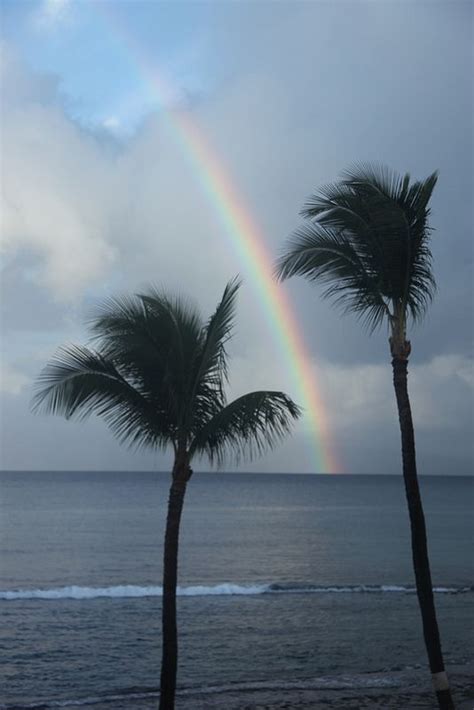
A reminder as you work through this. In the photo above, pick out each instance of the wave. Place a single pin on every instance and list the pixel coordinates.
(127, 591)
(407, 679)
(119, 696)
(127, 695)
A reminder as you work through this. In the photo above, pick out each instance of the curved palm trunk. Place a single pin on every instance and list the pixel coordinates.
(424, 587)
(169, 661)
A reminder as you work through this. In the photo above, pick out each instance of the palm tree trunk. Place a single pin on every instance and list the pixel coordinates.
(424, 586)
(169, 661)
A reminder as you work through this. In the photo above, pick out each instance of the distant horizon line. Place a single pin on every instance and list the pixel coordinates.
(223, 472)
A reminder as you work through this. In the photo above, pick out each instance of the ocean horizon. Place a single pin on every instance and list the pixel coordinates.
(224, 472)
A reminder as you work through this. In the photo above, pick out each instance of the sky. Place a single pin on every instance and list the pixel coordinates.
(100, 196)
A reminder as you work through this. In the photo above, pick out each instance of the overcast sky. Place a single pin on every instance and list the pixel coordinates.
(99, 198)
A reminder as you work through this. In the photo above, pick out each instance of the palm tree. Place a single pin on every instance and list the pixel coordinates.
(157, 377)
(367, 240)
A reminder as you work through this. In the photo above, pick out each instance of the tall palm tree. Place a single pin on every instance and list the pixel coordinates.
(157, 376)
(367, 240)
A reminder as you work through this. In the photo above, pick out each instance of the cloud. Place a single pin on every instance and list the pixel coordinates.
(440, 392)
(19, 86)
(57, 197)
(112, 123)
(52, 13)
(88, 211)
(12, 381)
(86, 214)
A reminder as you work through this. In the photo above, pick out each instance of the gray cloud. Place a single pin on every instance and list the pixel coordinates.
(315, 89)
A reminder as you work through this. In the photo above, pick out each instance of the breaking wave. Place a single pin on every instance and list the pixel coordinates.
(125, 591)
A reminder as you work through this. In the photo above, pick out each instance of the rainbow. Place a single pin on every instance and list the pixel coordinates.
(247, 241)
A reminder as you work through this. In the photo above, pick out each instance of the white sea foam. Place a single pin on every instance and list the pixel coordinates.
(129, 591)
(225, 589)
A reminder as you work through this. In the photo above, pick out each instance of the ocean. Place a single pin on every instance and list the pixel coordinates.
(289, 584)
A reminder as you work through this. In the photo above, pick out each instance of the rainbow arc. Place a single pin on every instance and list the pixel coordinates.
(247, 241)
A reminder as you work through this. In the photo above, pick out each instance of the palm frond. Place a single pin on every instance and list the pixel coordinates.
(123, 331)
(218, 330)
(210, 374)
(156, 339)
(78, 382)
(178, 324)
(376, 177)
(377, 222)
(333, 258)
(247, 426)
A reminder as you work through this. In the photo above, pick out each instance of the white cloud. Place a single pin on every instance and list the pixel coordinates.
(448, 366)
(52, 13)
(58, 191)
(363, 395)
(49, 202)
(12, 381)
(82, 208)
(111, 123)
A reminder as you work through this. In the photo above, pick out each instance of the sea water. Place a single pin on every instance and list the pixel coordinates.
(282, 578)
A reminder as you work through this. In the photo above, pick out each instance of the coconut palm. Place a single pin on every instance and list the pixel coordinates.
(367, 241)
(157, 375)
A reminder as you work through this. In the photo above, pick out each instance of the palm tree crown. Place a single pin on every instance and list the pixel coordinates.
(368, 241)
(157, 375)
